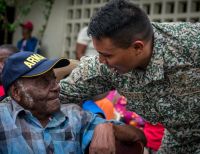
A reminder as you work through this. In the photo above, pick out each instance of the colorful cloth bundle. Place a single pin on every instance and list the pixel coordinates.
(114, 107)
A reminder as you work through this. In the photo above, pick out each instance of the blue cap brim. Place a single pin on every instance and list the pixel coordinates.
(46, 66)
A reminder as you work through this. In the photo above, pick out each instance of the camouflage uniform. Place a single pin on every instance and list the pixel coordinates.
(168, 91)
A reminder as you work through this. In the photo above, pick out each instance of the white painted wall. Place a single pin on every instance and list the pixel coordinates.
(54, 35)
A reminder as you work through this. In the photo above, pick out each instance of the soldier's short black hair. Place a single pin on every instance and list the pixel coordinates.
(122, 21)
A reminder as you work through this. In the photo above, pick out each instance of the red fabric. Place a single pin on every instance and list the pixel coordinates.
(154, 135)
(1, 90)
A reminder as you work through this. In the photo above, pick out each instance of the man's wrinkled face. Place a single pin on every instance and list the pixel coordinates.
(117, 59)
(40, 94)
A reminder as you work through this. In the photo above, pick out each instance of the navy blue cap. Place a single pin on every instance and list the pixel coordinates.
(28, 64)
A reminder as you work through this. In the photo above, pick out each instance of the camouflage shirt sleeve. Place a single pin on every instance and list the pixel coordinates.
(90, 78)
(181, 43)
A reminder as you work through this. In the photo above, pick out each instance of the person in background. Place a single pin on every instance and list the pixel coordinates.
(84, 45)
(28, 42)
(6, 50)
(156, 66)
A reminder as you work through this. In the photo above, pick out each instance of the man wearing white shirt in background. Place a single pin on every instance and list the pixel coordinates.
(84, 45)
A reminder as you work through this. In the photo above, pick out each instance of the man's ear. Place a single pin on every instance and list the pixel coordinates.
(138, 47)
(15, 92)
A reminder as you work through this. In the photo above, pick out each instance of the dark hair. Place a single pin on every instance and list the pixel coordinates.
(9, 47)
(122, 21)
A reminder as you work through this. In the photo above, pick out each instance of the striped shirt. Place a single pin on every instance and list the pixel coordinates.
(69, 131)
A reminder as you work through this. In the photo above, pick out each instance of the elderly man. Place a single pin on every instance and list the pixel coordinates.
(28, 42)
(34, 122)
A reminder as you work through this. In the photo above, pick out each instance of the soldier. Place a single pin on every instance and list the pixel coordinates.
(155, 65)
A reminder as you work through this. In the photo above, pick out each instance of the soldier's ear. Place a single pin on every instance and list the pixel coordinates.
(138, 47)
(15, 92)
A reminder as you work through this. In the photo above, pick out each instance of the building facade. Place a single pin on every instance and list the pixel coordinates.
(76, 15)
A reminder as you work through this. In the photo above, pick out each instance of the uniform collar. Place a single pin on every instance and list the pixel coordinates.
(155, 68)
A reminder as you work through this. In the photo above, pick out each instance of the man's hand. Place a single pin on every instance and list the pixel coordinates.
(103, 141)
(105, 135)
(129, 134)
